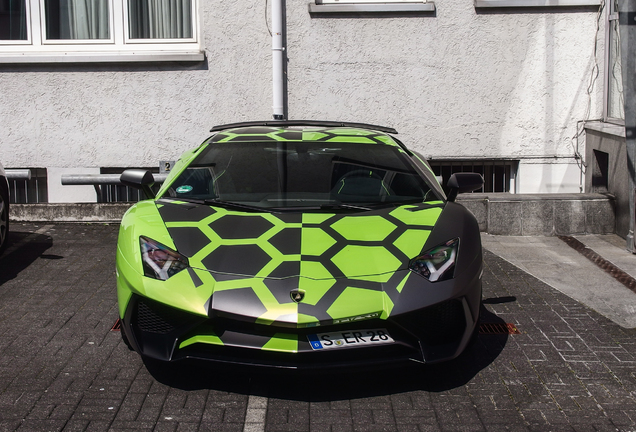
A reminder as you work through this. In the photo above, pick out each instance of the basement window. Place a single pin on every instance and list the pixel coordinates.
(31, 191)
(500, 175)
(504, 4)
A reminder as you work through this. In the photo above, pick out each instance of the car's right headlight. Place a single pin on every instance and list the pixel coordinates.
(159, 261)
(438, 263)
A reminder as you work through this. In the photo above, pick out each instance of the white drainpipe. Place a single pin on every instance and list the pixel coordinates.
(278, 59)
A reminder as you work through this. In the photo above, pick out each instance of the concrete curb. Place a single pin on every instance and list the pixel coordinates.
(542, 214)
(69, 212)
(498, 214)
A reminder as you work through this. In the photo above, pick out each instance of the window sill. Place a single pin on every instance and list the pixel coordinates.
(534, 3)
(101, 57)
(372, 8)
(606, 128)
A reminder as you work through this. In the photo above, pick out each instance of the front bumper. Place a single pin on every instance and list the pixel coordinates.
(436, 333)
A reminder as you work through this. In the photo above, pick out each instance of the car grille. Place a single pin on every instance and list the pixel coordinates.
(156, 318)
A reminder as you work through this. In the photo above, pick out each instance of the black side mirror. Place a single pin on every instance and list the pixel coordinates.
(463, 182)
(139, 179)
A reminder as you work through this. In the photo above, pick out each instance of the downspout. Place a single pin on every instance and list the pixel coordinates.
(627, 21)
(278, 59)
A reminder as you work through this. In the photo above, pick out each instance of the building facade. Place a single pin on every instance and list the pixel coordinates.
(501, 86)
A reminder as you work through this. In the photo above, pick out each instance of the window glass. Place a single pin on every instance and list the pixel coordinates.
(302, 174)
(13, 20)
(160, 19)
(76, 19)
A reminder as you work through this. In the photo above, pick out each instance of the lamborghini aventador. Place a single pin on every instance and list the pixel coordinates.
(300, 244)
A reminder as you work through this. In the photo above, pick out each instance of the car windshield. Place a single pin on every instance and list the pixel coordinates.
(291, 174)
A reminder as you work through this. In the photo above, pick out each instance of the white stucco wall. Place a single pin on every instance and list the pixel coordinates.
(459, 83)
(65, 193)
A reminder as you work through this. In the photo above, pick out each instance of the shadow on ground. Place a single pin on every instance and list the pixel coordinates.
(30, 246)
(341, 385)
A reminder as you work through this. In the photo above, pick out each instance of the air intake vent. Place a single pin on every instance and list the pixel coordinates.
(439, 324)
(157, 318)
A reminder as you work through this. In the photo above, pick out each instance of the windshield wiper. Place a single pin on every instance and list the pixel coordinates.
(338, 206)
(370, 206)
(235, 206)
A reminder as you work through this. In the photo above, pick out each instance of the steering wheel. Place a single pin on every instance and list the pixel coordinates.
(361, 182)
(361, 173)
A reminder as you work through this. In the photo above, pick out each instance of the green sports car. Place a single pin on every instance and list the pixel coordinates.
(300, 244)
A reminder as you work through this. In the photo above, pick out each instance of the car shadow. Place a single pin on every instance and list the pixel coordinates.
(22, 249)
(339, 385)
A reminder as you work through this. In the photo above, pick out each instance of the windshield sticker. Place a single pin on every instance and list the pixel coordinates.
(184, 189)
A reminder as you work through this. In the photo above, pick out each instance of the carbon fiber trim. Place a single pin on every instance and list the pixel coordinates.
(317, 123)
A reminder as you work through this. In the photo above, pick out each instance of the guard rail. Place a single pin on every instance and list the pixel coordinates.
(98, 181)
(18, 174)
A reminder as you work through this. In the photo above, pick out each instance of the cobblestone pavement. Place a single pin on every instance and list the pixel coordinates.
(63, 368)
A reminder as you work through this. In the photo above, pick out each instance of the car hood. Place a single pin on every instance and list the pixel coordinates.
(295, 269)
(369, 245)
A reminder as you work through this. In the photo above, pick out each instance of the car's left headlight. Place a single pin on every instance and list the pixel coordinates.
(438, 263)
(159, 261)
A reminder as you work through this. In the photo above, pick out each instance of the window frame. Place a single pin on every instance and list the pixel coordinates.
(29, 39)
(393, 7)
(611, 17)
(367, 1)
(44, 41)
(119, 47)
(559, 4)
(130, 41)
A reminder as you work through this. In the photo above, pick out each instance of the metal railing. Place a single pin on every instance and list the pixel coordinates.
(18, 174)
(27, 185)
(103, 184)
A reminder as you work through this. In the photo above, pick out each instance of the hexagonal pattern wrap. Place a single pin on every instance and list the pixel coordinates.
(347, 264)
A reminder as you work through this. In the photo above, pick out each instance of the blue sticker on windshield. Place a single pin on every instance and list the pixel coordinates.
(184, 189)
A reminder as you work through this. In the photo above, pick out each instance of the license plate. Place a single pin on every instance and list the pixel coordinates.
(349, 339)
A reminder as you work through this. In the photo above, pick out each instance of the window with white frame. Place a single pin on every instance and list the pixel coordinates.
(366, 1)
(382, 6)
(122, 27)
(614, 101)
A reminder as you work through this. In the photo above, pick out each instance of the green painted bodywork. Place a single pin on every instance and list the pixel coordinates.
(372, 248)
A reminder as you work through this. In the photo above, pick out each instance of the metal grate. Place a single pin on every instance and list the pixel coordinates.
(498, 329)
(157, 319)
(601, 262)
(499, 174)
(31, 191)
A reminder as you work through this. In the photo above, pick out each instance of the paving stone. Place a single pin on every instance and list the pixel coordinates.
(62, 368)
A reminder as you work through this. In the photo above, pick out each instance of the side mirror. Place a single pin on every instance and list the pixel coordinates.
(139, 179)
(463, 182)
